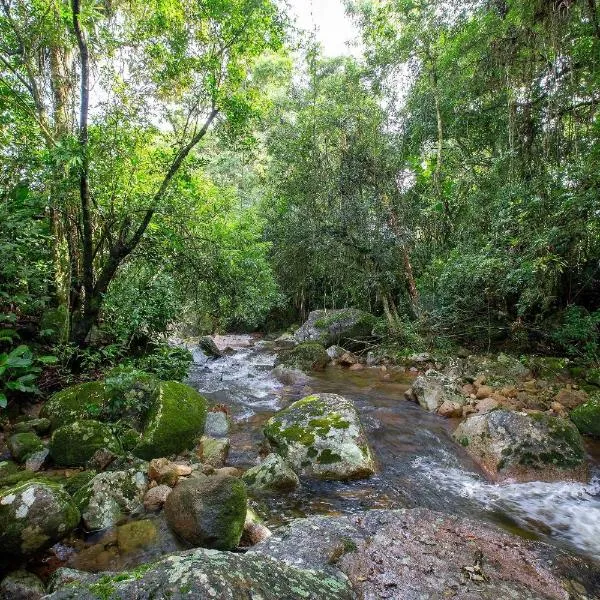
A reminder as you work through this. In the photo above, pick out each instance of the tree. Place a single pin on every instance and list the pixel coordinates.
(164, 73)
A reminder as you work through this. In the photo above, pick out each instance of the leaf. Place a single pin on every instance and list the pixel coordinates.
(3, 400)
(48, 360)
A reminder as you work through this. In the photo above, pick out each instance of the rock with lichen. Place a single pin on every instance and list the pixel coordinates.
(525, 447)
(321, 436)
(33, 516)
(271, 475)
(73, 445)
(347, 326)
(22, 585)
(109, 497)
(22, 445)
(308, 356)
(433, 390)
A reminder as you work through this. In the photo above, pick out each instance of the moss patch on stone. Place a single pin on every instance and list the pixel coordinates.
(76, 403)
(308, 356)
(22, 445)
(175, 421)
(587, 417)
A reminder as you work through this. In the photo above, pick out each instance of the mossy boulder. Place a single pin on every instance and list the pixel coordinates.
(524, 447)
(22, 445)
(208, 510)
(74, 444)
(176, 419)
(587, 417)
(39, 426)
(74, 483)
(33, 516)
(272, 475)
(308, 356)
(76, 403)
(347, 327)
(22, 585)
(172, 418)
(109, 497)
(202, 573)
(321, 436)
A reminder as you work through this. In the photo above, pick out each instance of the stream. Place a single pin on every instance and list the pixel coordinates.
(418, 463)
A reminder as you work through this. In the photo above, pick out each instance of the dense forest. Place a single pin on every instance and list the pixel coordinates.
(178, 170)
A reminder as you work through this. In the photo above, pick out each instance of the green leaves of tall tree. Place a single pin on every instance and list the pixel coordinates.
(154, 77)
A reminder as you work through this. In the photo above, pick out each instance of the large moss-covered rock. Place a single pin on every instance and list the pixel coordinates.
(74, 444)
(34, 515)
(308, 356)
(328, 327)
(202, 573)
(513, 445)
(170, 417)
(110, 496)
(76, 403)
(208, 510)
(39, 426)
(22, 445)
(321, 436)
(587, 417)
(272, 475)
(175, 421)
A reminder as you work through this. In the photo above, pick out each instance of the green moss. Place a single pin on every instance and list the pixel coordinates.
(22, 445)
(337, 317)
(75, 403)
(73, 484)
(464, 441)
(175, 421)
(587, 417)
(104, 588)
(306, 356)
(74, 444)
(327, 457)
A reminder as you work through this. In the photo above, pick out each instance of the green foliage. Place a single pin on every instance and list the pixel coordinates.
(19, 370)
(167, 363)
(579, 333)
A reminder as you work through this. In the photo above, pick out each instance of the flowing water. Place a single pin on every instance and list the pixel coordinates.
(419, 464)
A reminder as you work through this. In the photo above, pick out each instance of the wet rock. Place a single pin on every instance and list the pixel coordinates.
(213, 451)
(272, 475)
(348, 359)
(217, 424)
(156, 497)
(450, 410)
(208, 510)
(110, 496)
(286, 340)
(321, 436)
(33, 516)
(587, 417)
(432, 389)
(176, 418)
(202, 573)
(21, 445)
(21, 585)
(135, 535)
(163, 471)
(414, 554)
(570, 398)
(208, 346)
(37, 460)
(289, 376)
(356, 367)
(101, 459)
(534, 447)
(39, 426)
(73, 445)
(308, 356)
(328, 327)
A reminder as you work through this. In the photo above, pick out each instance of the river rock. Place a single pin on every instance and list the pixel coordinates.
(347, 327)
(135, 535)
(33, 516)
(21, 585)
(110, 496)
(570, 398)
(208, 346)
(272, 475)
(213, 451)
(202, 573)
(37, 460)
(21, 445)
(289, 376)
(525, 447)
(286, 340)
(156, 497)
(335, 352)
(163, 471)
(254, 530)
(321, 436)
(217, 424)
(208, 510)
(587, 417)
(412, 554)
(73, 445)
(308, 356)
(433, 389)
